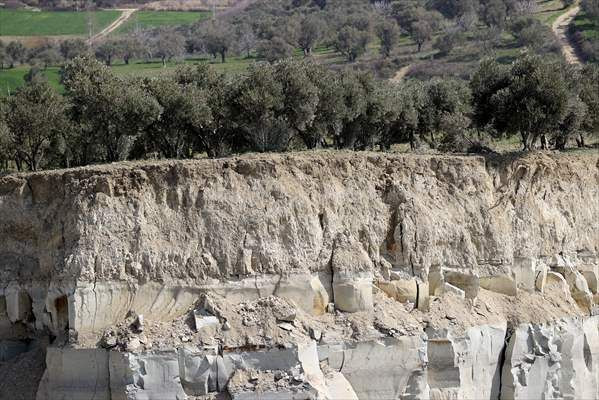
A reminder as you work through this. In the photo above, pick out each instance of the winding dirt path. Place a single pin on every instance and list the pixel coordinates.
(125, 15)
(399, 75)
(560, 28)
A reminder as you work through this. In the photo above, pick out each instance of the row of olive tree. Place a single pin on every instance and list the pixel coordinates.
(285, 106)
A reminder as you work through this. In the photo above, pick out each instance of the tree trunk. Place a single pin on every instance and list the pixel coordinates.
(580, 140)
(543, 142)
(420, 47)
(222, 56)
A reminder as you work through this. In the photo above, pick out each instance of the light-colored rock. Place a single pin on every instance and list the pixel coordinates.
(467, 282)
(552, 361)
(199, 372)
(468, 366)
(557, 280)
(76, 374)
(423, 300)
(154, 376)
(499, 284)
(279, 215)
(401, 290)
(541, 280)
(579, 288)
(89, 245)
(524, 270)
(339, 388)
(353, 291)
(592, 280)
(449, 288)
(205, 322)
(377, 370)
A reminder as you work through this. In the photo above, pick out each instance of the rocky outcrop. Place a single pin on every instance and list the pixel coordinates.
(378, 253)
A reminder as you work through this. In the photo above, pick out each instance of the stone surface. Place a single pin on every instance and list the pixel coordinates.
(377, 370)
(468, 366)
(500, 284)
(81, 249)
(76, 374)
(552, 361)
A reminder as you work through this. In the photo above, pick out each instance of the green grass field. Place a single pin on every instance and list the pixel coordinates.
(11, 79)
(549, 10)
(53, 23)
(588, 26)
(153, 19)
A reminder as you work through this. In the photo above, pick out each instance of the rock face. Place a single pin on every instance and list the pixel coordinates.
(81, 249)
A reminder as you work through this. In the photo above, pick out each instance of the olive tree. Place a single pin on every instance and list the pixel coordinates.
(530, 98)
(110, 112)
(213, 128)
(35, 117)
(258, 109)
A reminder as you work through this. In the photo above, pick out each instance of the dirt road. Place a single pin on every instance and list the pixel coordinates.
(399, 75)
(126, 14)
(560, 28)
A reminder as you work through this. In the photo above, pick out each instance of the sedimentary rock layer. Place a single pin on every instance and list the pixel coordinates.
(330, 232)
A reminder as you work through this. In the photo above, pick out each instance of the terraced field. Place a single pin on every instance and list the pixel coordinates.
(53, 23)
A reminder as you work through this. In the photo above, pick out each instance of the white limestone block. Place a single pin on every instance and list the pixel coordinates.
(339, 387)
(76, 374)
(353, 291)
(377, 369)
(449, 288)
(524, 270)
(402, 290)
(499, 284)
(554, 361)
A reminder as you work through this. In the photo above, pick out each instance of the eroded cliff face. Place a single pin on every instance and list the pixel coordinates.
(373, 238)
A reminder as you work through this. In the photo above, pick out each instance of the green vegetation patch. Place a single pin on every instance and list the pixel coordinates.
(53, 23)
(589, 27)
(154, 19)
(11, 79)
(550, 10)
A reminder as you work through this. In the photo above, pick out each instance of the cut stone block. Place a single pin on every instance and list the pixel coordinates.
(205, 322)
(400, 290)
(499, 284)
(76, 374)
(449, 288)
(592, 281)
(353, 293)
(525, 273)
(18, 305)
(470, 284)
(553, 278)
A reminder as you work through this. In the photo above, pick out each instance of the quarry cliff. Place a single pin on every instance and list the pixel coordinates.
(308, 275)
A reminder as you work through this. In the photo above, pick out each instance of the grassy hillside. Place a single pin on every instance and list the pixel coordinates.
(53, 23)
(549, 10)
(153, 19)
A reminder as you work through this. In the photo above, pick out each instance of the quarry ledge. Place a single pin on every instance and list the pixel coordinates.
(190, 277)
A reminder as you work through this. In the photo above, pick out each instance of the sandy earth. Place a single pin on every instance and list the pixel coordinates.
(560, 28)
(399, 75)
